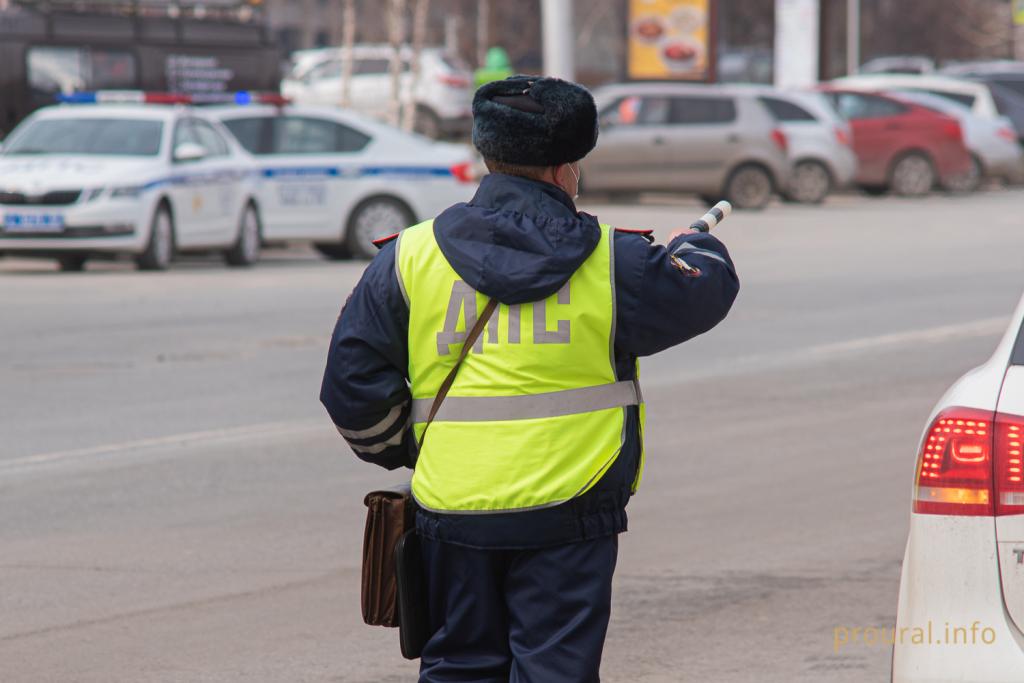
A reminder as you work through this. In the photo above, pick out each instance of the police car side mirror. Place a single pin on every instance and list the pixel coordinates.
(189, 151)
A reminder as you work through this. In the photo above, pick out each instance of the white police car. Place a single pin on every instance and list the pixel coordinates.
(342, 180)
(126, 173)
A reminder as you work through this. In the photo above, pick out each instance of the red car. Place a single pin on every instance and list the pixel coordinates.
(901, 146)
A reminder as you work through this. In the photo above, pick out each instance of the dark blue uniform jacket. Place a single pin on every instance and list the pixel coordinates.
(519, 240)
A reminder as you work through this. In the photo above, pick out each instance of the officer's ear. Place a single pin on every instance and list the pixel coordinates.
(561, 176)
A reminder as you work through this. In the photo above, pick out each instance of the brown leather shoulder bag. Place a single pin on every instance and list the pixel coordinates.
(390, 513)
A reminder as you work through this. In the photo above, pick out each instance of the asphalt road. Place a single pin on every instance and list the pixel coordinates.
(176, 506)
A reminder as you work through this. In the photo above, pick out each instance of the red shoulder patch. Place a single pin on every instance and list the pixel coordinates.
(381, 241)
(643, 232)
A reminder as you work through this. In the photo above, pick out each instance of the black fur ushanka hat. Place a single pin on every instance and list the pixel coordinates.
(534, 121)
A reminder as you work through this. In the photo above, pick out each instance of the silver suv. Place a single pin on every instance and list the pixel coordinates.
(714, 141)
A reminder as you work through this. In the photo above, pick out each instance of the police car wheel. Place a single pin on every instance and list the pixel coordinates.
(71, 263)
(749, 187)
(810, 184)
(159, 250)
(912, 175)
(375, 218)
(246, 249)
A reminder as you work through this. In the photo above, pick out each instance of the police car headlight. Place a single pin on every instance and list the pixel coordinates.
(126, 192)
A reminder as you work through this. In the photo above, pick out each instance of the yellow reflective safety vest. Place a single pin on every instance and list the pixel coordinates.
(536, 414)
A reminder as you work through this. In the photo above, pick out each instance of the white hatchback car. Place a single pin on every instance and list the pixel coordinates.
(342, 180)
(148, 180)
(442, 95)
(961, 601)
(820, 143)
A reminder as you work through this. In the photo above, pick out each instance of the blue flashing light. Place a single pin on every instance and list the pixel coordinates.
(243, 97)
(77, 98)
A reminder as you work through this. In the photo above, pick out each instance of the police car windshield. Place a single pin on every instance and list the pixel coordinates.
(92, 136)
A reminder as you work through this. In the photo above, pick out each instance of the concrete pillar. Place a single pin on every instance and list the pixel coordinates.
(558, 38)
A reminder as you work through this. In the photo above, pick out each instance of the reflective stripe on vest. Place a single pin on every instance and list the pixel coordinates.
(536, 414)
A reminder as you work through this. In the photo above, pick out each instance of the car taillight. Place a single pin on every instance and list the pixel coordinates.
(1007, 133)
(453, 80)
(954, 467)
(1009, 444)
(779, 138)
(971, 464)
(463, 172)
(952, 130)
(842, 137)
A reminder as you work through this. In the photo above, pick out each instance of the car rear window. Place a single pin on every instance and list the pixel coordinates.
(967, 100)
(852, 106)
(696, 110)
(784, 110)
(1017, 357)
(1014, 84)
(91, 136)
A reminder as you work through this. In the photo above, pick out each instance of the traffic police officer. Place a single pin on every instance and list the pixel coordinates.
(535, 452)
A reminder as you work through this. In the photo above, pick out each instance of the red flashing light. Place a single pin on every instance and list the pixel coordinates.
(463, 172)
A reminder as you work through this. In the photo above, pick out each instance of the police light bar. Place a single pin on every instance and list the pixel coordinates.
(143, 97)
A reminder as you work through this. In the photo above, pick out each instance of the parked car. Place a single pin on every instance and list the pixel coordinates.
(820, 143)
(977, 96)
(962, 578)
(442, 95)
(1005, 79)
(992, 142)
(714, 141)
(899, 64)
(146, 180)
(901, 146)
(343, 180)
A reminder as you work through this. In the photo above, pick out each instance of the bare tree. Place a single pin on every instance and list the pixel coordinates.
(419, 33)
(396, 36)
(348, 39)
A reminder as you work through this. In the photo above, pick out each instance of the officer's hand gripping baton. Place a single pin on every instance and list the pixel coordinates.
(713, 217)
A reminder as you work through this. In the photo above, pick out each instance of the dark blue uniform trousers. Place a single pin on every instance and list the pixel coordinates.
(521, 616)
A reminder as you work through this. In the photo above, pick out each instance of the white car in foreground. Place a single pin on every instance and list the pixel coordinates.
(148, 180)
(342, 180)
(961, 602)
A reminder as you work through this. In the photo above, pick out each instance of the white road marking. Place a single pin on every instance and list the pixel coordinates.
(136, 447)
(975, 328)
(983, 327)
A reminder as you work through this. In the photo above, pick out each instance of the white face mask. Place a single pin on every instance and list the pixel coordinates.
(577, 177)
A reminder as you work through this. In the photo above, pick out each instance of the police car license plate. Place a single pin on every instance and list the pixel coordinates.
(33, 222)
